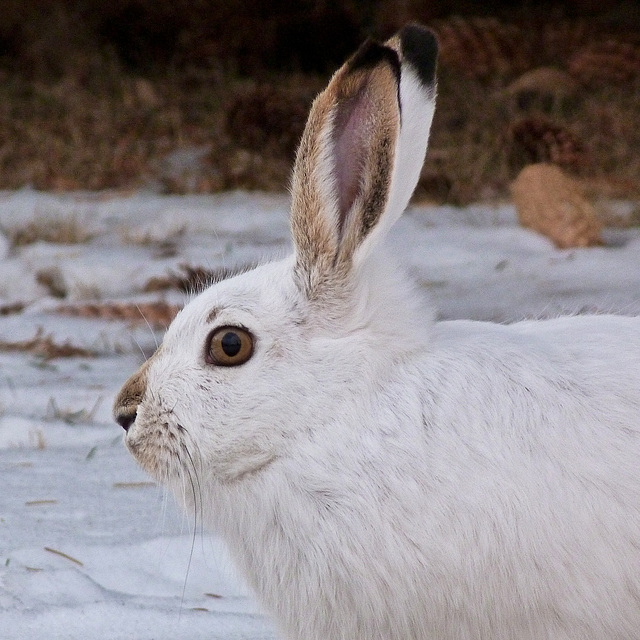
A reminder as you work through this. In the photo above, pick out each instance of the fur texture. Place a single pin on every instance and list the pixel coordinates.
(379, 476)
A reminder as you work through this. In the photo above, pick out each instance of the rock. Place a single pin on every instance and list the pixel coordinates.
(548, 86)
(550, 202)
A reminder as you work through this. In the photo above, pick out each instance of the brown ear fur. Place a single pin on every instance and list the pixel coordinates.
(342, 174)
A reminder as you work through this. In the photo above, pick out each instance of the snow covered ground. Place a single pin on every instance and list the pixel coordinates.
(89, 547)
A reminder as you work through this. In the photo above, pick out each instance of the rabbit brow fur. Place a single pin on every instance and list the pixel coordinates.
(378, 475)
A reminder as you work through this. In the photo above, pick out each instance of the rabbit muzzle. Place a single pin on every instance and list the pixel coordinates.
(125, 407)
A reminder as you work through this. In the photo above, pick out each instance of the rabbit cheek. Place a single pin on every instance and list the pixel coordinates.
(241, 458)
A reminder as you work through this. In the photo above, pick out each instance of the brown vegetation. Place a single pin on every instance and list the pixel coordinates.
(157, 315)
(45, 347)
(190, 279)
(198, 96)
(539, 139)
(60, 230)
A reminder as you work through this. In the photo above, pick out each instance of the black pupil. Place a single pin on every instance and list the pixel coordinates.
(231, 343)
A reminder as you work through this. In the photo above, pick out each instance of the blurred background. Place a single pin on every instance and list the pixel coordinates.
(199, 96)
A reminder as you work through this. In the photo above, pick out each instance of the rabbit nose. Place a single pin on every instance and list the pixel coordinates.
(125, 406)
(126, 419)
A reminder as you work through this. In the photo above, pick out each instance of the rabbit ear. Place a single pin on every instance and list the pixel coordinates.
(361, 154)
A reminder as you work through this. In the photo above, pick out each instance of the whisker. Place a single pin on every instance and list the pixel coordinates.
(184, 477)
(192, 476)
(195, 468)
(137, 342)
(155, 339)
(197, 503)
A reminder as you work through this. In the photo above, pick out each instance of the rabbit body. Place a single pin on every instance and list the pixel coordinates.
(465, 481)
(487, 498)
(378, 475)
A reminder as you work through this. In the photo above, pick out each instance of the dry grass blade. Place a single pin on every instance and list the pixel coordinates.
(133, 485)
(44, 346)
(64, 555)
(71, 416)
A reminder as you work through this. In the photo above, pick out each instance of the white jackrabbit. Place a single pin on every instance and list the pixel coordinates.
(376, 475)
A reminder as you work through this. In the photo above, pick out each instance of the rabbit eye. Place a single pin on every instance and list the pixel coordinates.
(229, 346)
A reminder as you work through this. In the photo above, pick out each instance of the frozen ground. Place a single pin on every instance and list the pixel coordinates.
(89, 548)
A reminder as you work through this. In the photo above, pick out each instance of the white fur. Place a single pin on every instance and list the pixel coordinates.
(411, 150)
(379, 476)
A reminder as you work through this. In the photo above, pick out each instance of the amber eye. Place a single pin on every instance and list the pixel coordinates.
(229, 346)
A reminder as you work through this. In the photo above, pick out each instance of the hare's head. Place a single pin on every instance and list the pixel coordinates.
(262, 356)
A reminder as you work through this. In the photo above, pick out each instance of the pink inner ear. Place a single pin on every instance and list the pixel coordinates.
(351, 125)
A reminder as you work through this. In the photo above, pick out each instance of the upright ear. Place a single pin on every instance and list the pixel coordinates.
(361, 154)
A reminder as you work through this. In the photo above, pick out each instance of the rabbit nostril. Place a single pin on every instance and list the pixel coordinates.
(125, 420)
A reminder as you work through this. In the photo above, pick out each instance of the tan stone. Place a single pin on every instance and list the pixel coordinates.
(544, 81)
(550, 202)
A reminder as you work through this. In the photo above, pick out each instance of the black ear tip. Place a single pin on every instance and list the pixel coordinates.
(371, 54)
(420, 50)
